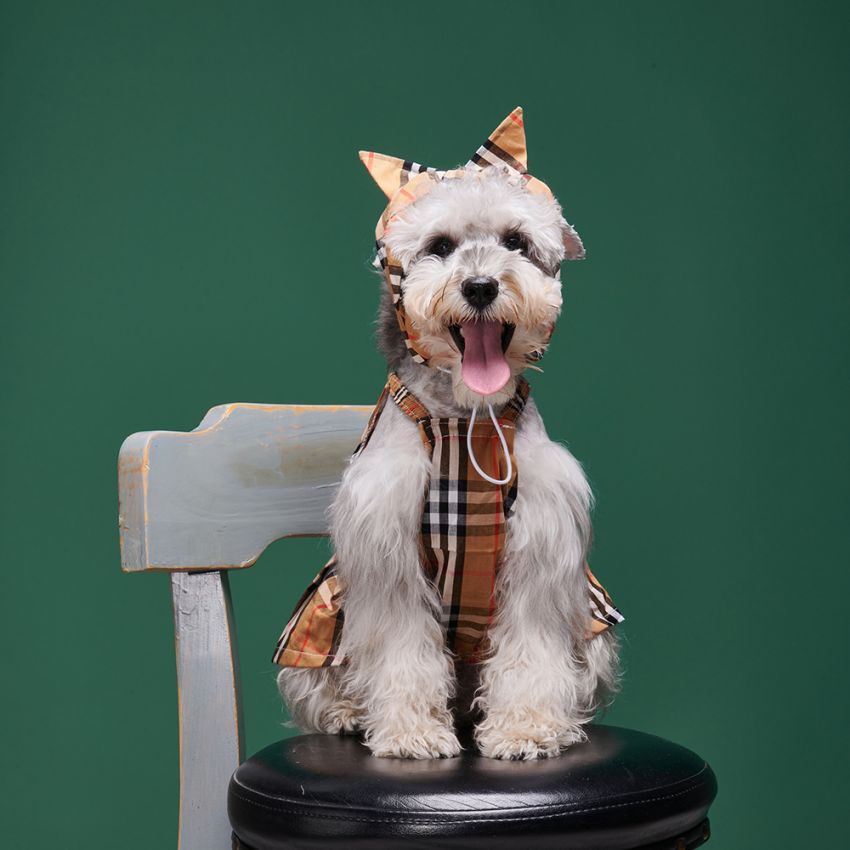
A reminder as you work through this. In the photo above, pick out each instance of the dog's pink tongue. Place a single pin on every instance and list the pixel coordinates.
(484, 367)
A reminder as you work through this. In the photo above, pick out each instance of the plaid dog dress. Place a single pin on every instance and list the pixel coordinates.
(462, 535)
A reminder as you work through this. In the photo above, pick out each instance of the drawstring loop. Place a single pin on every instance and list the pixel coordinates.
(502, 440)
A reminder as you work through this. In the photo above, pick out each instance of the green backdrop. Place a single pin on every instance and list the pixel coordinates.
(185, 222)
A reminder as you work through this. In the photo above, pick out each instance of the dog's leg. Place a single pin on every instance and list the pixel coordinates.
(538, 686)
(398, 669)
(316, 700)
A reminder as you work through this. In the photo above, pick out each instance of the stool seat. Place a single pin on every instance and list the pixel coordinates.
(620, 790)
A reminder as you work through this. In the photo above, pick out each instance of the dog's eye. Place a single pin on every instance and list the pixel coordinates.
(514, 241)
(440, 246)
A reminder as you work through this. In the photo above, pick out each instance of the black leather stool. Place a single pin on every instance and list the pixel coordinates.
(622, 790)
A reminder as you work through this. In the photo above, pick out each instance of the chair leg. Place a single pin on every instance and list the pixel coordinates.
(209, 703)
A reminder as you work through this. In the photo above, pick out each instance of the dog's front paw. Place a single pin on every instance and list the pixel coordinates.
(524, 738)
(341, 718)
(433, 741)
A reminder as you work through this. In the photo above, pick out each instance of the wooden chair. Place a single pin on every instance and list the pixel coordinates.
(199, 504)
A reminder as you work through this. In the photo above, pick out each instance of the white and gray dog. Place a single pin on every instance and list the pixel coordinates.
(479, 256)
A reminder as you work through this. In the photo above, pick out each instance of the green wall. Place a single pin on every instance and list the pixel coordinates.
(184, 222)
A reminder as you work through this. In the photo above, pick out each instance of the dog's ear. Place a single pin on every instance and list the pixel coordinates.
(573, 247)
(505, 146)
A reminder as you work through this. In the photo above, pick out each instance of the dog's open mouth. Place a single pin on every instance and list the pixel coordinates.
(482, 347)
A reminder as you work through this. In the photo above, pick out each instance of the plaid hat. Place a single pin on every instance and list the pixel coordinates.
(404, 182)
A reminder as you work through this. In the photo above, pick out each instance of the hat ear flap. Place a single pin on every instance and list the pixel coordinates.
(390, 172)
(505, 146)
(386, 171)
(573, 246)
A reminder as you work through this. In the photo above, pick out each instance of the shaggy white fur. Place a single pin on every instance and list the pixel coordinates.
(543, 678)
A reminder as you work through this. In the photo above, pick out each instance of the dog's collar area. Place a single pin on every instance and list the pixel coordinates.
(410, 405)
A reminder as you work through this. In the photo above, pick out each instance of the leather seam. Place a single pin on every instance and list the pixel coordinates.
(313, 813)
(688, 779)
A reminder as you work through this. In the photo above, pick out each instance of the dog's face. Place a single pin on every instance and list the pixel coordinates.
(482, 289)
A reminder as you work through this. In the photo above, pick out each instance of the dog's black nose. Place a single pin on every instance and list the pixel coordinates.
(480, 291)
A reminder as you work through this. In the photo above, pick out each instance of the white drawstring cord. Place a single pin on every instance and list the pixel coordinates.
(502, 440)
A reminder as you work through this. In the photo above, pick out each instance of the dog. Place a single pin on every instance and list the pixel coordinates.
(472, 260)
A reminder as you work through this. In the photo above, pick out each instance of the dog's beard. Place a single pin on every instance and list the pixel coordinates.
(483, 349)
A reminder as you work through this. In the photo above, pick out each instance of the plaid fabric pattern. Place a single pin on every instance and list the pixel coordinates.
(464, 520)
(603, 612)
(311, 637)
(462, 535)
(404, 182)
(505, 146)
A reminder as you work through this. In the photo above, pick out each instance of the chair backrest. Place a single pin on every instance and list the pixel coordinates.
(215, 497)
(197, 504)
